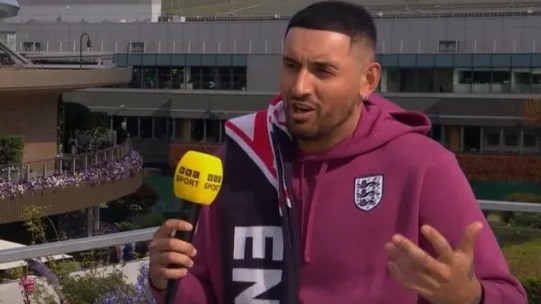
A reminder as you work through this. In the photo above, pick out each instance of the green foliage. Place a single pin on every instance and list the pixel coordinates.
(11, 149)
(150, 220)
(533, 289)
(14, 273)
(78, 119)
(86, 289)
(67, 267)
(133, 205)
(525, 263)
(531, 220)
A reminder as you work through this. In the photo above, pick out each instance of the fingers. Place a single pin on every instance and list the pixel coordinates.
(467, 244)
(438, 241)
(170, 257)
(170, 226)
(419, 282)
(408, 255)
(172, 244)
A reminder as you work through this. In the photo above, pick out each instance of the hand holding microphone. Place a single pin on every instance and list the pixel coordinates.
(197, 181)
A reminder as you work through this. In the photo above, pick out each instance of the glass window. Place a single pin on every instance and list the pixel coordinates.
(161, 127)
(136, 77)
(198, 130)
(196, 78)
(213, 131)
(501, 60)
(463, 61)
(209, 78)
(521, 60)
(132, 126)
(225, 78)
(145, 130)
(425, 60)
(149, 78)
(482, 60)
(239, 78)
(491, 139)
(407, 61)
(164, 79)
(471, 140)
(443, 60)
(177, 78)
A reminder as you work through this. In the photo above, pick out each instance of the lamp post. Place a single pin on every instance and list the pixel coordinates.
(88, 44)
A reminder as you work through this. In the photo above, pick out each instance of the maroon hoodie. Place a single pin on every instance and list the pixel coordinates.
(326, 243)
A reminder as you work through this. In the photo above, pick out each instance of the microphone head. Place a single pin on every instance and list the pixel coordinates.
(198, 177)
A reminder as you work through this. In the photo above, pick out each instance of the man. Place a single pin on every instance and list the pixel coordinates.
(335, 195)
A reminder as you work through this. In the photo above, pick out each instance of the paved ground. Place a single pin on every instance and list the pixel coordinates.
(11, 294)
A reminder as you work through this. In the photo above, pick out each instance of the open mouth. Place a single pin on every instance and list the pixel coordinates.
(301, 111)
(302, 108)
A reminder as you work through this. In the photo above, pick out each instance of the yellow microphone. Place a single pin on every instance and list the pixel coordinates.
(197, 182)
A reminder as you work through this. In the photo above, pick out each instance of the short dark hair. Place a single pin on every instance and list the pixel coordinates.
(337, 16)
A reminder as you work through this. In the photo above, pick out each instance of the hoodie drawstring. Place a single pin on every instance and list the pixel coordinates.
(310, 210)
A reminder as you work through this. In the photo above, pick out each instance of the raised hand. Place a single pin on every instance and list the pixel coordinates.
(448, 278)
(166, 250)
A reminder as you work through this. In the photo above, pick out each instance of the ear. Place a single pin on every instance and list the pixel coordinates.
(370, 80)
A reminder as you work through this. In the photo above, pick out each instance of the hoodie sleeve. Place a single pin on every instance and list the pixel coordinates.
(202, 283)
(449, 205)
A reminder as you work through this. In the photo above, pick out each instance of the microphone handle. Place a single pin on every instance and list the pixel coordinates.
(189, 212)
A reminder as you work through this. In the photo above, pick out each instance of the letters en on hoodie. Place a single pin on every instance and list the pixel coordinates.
(296, 228)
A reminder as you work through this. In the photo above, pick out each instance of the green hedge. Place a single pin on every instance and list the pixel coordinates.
(11, 149)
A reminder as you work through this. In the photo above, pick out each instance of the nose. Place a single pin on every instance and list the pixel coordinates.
(302, 85)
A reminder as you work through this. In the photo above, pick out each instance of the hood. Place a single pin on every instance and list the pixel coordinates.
(381, 122)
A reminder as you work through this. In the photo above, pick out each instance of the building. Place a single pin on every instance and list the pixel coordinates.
(473, 67)
(87, 11)
(37, 172)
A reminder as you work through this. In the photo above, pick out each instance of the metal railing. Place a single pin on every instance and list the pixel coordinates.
(65, 164)
(142, 235)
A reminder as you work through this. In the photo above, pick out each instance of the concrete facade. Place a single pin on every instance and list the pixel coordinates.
(497, 34)
(35, 117)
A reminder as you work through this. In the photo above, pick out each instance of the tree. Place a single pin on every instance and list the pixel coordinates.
(135, 204)
(78, 119)
(532, 111)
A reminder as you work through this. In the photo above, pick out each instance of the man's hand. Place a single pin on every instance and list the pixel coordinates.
(165, 250)
(448, 278)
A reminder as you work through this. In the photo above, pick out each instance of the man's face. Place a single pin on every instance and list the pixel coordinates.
(321, 82)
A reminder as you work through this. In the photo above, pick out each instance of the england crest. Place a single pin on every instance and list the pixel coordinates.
(368, 191)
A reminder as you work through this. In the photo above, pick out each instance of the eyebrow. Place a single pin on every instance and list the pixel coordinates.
(325, 62)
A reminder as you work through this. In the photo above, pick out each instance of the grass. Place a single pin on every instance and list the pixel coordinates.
(524, 259)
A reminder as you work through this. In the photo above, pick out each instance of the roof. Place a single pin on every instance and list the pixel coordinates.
(288, 7)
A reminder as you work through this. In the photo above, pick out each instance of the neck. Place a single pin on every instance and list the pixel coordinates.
(339, 134)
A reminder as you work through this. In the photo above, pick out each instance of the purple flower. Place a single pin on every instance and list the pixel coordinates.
(41, 269)
(125, 167)
(143, 294)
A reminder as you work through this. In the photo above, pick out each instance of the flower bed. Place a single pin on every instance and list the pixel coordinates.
(122, 168)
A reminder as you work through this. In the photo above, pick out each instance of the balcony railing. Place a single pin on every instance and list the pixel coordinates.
(62, 165)
(142, 235)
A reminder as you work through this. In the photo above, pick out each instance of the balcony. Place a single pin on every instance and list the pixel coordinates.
(69, 182)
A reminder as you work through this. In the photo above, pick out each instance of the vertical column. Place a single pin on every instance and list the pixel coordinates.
(186, 130)
(97, 217)
(383, 81)
(455, 138)
(89, 217)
